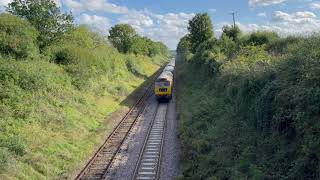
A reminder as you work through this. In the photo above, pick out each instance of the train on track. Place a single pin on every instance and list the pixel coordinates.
(163, 87)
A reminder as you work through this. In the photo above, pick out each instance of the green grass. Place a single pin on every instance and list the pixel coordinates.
(50, 126)
(55, 101)
(53, 114)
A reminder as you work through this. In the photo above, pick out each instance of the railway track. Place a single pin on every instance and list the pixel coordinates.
(98, 165)
(148, 166)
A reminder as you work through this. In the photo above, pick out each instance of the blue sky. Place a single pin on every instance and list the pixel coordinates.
(167, 20)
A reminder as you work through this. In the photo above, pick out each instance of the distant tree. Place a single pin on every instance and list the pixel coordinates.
(45, 16)
(184, 45)
(145, 46)
(200, 28)
(121, 37)
(231, 32)
(158, 48)
(17, 37)
(139, 45)
(227, 45)
(262, 37)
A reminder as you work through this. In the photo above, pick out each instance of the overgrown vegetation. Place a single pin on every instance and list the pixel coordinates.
(248, 107)
(57, 91)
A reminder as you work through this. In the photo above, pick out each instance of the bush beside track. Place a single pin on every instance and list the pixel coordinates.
(248, 107)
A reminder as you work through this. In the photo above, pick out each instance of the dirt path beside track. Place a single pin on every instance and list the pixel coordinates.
(124, 164)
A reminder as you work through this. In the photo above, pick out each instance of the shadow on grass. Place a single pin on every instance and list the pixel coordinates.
(133, 97)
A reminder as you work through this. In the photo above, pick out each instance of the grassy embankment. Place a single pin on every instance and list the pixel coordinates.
(252, 115)
(54, 104)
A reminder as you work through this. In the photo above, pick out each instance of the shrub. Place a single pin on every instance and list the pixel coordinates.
(17, 37)
(281, 45)
(227, 46)
(262, 37)
(258, 117)
(16, 145)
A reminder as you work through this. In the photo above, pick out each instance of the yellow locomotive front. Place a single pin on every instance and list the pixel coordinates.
(163, 86)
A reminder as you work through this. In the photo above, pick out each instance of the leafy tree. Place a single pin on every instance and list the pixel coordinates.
(45, 16)
(209, 45)
(121, 36)
(200, 28)
(231, 32)
(17, 37)
(139, 45)
(227, 45)
(158, 48)
(184, 45)
(260, 38)
(126, 40)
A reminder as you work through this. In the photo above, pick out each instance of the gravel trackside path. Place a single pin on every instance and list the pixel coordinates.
(170, 154)
(122, 168)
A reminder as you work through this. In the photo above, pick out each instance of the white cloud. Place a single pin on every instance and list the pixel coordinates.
(168, 28)
(303, 17)
(3, 4)
(137, 20)
(100, 24)
(315, 5)
(263, 14)
(94, 6)
(302, 23)
(254, 3)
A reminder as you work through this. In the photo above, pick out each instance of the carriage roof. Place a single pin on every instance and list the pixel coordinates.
(165, 75)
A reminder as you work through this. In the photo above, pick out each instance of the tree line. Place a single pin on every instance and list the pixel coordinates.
(49, 25)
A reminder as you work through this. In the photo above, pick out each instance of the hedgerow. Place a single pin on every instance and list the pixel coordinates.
(252, 115)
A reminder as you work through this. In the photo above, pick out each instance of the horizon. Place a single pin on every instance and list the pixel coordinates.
(168, 21)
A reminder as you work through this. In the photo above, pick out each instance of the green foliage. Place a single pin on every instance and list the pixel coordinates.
(260, 38)
(281, 45)
(200, 28)
(207, 55)
(158, 48)
(227, 45)
(249, 108)
(233, 33)
(17, 37)
(126, 40)
(139, 45)
(54, 102)
(45, 16)
(184, 47)
(121, 36)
